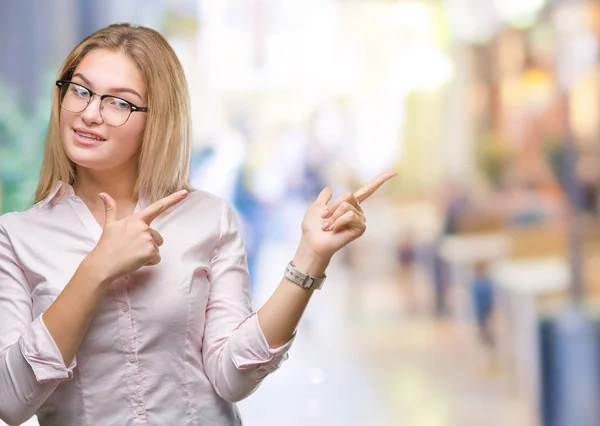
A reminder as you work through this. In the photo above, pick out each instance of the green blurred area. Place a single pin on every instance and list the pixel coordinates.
(22, 134)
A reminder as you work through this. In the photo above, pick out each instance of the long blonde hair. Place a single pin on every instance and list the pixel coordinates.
(163, 165)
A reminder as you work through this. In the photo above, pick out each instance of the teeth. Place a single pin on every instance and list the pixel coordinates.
(89, 136)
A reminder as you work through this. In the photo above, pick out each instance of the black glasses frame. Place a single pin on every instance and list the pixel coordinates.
(134, 107)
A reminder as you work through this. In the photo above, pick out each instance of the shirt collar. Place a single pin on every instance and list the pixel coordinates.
(57, 193)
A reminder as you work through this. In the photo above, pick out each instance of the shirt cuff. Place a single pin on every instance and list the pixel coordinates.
(42, 354)
(250, 349)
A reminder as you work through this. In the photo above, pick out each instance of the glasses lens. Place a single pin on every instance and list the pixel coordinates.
(73, 97)
(115, 111)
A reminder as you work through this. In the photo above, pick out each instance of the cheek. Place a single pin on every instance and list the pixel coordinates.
(65, 128)
(65, 120)
(130, 135)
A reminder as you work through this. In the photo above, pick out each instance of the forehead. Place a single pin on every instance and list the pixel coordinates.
(107, 69)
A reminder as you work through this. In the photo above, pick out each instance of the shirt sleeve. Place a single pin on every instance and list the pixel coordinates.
(31, 365)
(236, 354)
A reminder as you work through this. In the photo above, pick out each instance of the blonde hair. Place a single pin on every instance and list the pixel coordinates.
(163, 165)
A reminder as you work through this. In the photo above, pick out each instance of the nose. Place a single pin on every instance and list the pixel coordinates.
(91, 114)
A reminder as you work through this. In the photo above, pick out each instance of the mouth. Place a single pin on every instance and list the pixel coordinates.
(89, 137)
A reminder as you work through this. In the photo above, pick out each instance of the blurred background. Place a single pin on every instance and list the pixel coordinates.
(472, 298)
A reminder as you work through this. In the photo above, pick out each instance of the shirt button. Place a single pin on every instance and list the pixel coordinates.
(125, 308)
(132, 360)
(139, 411)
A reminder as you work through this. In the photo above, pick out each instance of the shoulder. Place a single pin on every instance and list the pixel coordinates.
(201, 206)
(16, 220)
(28, 222)
(12, 225)
(207, 202)
(212, 209)
(201, 196)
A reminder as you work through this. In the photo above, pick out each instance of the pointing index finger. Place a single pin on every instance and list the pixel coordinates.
(367, 190)
(154, 210)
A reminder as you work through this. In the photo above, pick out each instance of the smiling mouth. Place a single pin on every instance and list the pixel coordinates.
(88, 136)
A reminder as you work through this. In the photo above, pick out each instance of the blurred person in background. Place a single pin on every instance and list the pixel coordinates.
(455, 204)
(407, 255)
(125, 294)
(482, 295)
(482, 290)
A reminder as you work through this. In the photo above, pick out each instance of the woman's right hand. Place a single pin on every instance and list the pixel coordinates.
(130, 243)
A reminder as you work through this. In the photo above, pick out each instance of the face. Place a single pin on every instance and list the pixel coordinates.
(105, 72)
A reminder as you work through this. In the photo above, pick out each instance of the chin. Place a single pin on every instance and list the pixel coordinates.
(94, 159)
(89, 163)
(88, 158)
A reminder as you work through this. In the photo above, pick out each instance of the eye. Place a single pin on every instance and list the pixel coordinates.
(119, 104)
(80, 91)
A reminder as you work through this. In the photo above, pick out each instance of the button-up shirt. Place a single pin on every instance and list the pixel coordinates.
(172, 344)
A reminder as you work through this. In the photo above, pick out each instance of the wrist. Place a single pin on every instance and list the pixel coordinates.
(95, 271)
(309, 262)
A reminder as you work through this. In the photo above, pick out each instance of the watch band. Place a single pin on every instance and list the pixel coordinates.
(303, 280)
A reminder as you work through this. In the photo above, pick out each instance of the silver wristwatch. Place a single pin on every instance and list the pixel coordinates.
(303, 280)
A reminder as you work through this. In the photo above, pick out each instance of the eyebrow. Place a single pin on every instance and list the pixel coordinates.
(112, 90)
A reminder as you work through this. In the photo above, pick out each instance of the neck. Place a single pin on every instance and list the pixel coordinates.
(119, 184)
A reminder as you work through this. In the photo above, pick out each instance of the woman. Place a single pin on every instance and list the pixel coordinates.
(124, 286)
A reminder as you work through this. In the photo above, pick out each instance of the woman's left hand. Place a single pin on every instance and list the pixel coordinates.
(326, 228)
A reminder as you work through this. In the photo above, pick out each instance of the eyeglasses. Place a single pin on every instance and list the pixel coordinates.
(114, 111)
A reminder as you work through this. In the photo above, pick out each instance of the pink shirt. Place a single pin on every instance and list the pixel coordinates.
(171, 344)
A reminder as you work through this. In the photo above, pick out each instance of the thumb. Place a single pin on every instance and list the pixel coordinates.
(325, 196)
(110, 207)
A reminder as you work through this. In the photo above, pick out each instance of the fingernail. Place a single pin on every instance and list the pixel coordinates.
(330, 228)
(326, 225)
(325, 213)
(183, 193)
